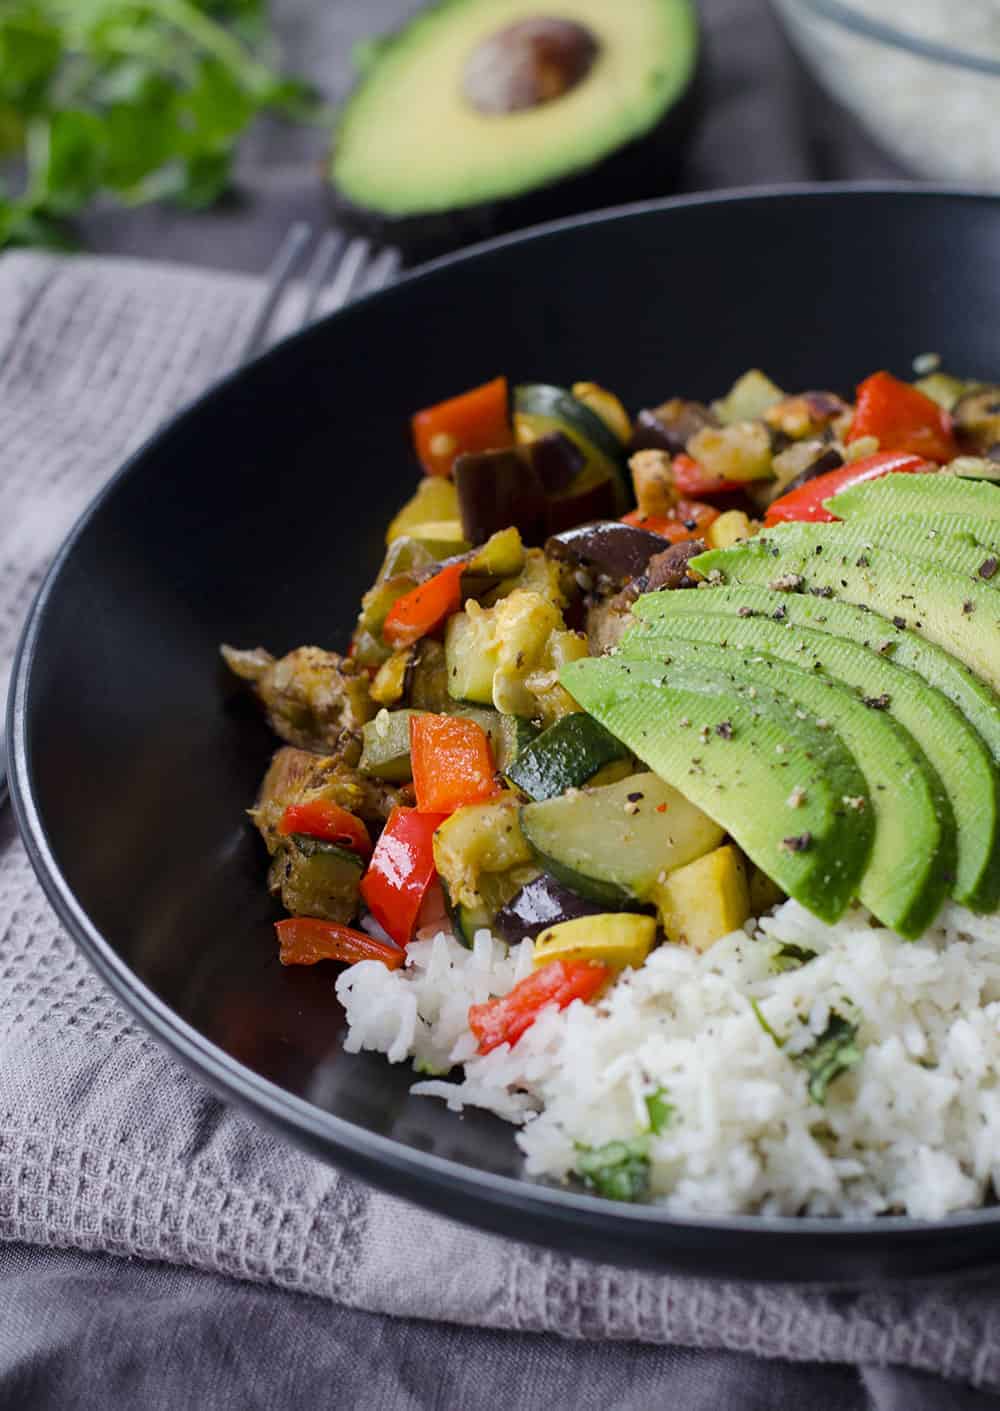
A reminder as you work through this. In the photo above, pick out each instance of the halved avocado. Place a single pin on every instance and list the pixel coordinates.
(480, 115)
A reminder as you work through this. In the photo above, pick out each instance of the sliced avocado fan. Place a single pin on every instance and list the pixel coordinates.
(750, 758)
(957, 610)
(918, 494)
(475, 102)
(962, 764)
(912, 860)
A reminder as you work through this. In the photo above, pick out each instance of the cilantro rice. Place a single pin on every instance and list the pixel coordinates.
(860, 1082)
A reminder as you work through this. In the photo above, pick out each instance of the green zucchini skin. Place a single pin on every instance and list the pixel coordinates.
(558, 410)
(564, 756)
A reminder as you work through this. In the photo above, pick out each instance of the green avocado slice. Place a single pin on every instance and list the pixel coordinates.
(954, 610)
(917, 494)
(912, 861)
(717, 742)
(956, 543)
(965, 778)
(417, 138)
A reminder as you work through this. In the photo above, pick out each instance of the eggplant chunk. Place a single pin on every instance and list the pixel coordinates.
(310, 696)
(614, 550)
(299, 776)
(539, 904)
(670, 426)
(665, 571)
(314, 878)
(498, 489)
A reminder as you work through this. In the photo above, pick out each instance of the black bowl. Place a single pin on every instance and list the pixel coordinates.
(257, 516)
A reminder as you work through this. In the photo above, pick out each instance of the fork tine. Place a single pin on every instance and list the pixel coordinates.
(281, 269)
(348, 273)
(384, 269)
(319, 272)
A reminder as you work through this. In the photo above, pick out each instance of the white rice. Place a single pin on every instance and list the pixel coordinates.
(914, 1127)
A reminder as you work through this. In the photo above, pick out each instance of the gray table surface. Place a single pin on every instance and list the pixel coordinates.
(82, 1332)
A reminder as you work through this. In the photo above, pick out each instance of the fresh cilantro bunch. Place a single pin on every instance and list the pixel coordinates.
(139, 100)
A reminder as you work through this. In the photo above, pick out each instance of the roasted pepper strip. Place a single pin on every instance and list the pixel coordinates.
(692, 478)
(687, 520)
(321, 818)
(452, 763)
(401, 870)
(902, 419)
(806, 503)
(503, 1021)
(425, 607)
(305, 940)
(477, 420)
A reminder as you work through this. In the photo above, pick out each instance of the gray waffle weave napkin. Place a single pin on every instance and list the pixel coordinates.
(105, 1143)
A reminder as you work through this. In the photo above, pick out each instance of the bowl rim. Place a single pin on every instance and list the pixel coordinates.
(838, 12)
(306, 1123)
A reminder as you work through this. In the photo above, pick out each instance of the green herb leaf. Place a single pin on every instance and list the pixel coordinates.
(789, 956)
(768, 1030)
(833, 1053)
(617, 1170)
(660, 1111)
(138, 100)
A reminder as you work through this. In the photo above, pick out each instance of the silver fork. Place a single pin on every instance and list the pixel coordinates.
(339, 270)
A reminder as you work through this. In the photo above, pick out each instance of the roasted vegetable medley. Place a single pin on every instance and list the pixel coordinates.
(626, 681)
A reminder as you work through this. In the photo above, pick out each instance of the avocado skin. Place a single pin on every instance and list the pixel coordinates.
(648, 166)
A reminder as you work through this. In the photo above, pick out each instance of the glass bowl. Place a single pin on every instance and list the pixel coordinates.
(923, 76)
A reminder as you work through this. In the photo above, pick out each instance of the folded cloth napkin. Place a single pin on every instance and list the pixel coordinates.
(105, 1143)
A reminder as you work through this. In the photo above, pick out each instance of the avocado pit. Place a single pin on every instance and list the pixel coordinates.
(527, 64)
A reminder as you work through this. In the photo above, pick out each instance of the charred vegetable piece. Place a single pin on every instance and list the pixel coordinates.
(537, 905)
(556, 459)
(310, 696)
(298, 777)
(425, 607)
(808, 502)
(452, 763)
(749, 397)
(557, 984)
(616, 939)
(315, 878)
(401, 872)
(700, 903)
(615, 550)
(434, 500)
(390, 681)
(497, 489)
(306, 939)
(670, 426)
(540, 409)
(902, 419)
(564, 756)
(977, 419)
(477, 420)
(327, 821)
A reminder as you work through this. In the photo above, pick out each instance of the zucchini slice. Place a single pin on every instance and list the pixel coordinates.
(565, 756)
(540, 409)
(611, 844)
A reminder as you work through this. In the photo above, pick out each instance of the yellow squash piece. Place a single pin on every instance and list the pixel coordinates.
(729, 528)
(704, 901)
(435, 499)
(618, 939)
(605, 405)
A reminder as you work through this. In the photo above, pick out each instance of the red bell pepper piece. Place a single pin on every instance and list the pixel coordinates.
(425, 607)
(476, 420)
(692, 478)
(902, 418)
(321, 818)
(503, 1021)
(452, 762)
(806, 503)
(306, 939)
(401, 870)
(687, 520)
